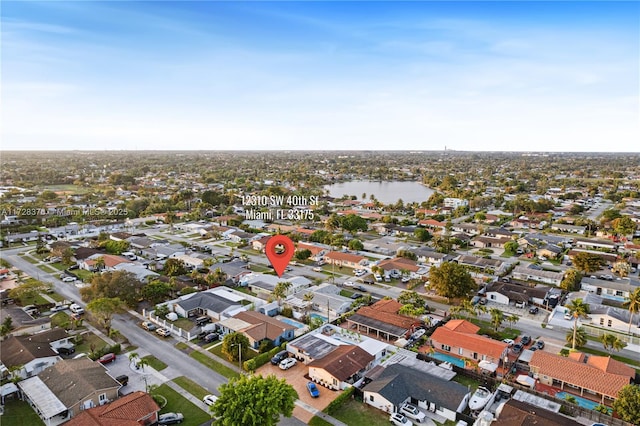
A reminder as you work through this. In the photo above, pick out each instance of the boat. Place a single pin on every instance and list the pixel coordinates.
(479, 399)
(525, 380)
(446, 365)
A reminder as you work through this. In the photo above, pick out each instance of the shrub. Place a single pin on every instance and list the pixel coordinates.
(265, 346)
(262, 359)
(341, 399)
(287, 312)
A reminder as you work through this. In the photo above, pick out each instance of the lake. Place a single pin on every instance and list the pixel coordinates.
(385, 192)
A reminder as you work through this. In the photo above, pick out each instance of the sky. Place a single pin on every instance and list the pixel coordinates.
(419, 75)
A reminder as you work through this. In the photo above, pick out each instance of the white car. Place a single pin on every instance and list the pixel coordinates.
(412, 412)
(69, 279)
(76, 309)
(399, 420)
(210, 399)
(287, 363)
(348, 284)
(509, 342)
(317, 269)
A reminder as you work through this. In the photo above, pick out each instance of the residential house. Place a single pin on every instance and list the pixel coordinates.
(593, 244)
(499, 233)
(22, 322)
(264, 284)
(238, 236)
(386, 246)
(141, 273)
(397, 384)
(341, 259)
(604, 316)
(430, 256)
(341, 368)
(455, 202)
(257, 328)
(70, 386)
(490, 242)
(190, 262)
(519, 413)
(530, 274)
(609, 258)
(550, 251)
(135, 409)
(382, 320)
(509, 294)
(31, 354)
(109, 261)
(480, 263)
(234, 270)
(139, 243)
(400, 265)
(260, 243)
(433, 224)
(210, 303)
(595, 377)
(317, 251)
(459, 338)
(326, 301)
(160, 252)
(466, 228)
(617, 290)
(571, 229)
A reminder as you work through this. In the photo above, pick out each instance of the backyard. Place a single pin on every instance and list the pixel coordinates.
(19, 413)
(353, 412)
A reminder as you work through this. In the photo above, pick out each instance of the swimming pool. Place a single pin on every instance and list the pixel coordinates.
(324, 319)
(446, 357)
(583, 402)
(289, 321)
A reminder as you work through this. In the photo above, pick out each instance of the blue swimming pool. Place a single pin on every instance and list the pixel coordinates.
(583, 402)
(324, 319)
(450, 358)
(289, 321)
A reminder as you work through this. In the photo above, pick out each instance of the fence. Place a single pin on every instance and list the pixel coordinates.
(168, 325)
(595, 331)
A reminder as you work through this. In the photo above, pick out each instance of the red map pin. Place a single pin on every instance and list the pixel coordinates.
(279, 250)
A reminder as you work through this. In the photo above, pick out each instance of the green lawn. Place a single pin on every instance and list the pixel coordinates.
(37, 300)
(59, 266)
(214, 365)
(217, 350)
(30, 259)
(467, 381)
(87, 340)
(19, 413)
(155, 363)
(184, 324)
(353, 412)
(56, 297)
(83, 274)
(182, 346)
(68, 187)
(192, 387)
(176, 403)
(60, 319)
(48, 269)
(317, 421)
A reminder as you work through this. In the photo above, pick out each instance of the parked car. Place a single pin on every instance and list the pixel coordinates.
(210, 399)
(534, 310)
(355, 296)
(509, 342)
(361, 288)
(69, 279)
(277, 358)
(517, 348)
(287, 363)
(412, 412)
(66, 350)
(148, 325)
(164, 332)
(568, 316)
(348, 283)
(483, 301)
(521, 304)
(211, 337)
(539, 344)
(317, 269)
(525, 340)
(200, 321)
(170, 418)
(107, 358)
(399, 420)
(313, 390)
(76, 309)
(123, 379)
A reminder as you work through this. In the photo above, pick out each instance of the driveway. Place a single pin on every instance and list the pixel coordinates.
(138, 379)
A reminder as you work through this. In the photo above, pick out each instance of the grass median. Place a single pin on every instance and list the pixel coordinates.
(155, 363)
(214, 365)
(176, 403)
(192, 387)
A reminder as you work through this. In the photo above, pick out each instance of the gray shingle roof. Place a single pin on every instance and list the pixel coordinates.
(209, 301)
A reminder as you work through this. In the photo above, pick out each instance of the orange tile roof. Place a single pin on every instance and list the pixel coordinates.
(432, 222)
(344, 257)
(399, 263)
(387, 305)
(577, 373)
(344, 361)
(471, 342)
(386, 311)
(313, 249)
(263, 326)
(610, 365)
(126, 411)
(110, 260)
(462, 326)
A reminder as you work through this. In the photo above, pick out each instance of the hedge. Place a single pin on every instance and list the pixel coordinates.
(262, 359)
(341, 399)
(116, 349)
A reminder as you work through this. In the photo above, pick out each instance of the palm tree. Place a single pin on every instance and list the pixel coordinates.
(308, 298)
(577, 337)
(496, 318)
(513, 319)
(134, 357)
(633, 305)
(612, 342)
(280, 291)
(578, 309)
(142, 363)
(99, 263)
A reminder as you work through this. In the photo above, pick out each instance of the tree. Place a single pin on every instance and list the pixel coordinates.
(355, 244)
(121, 284)
(281, 290)
(578, 309)
(66, 256)
(588, 262)
(627, 405)
(353, 223)
(6, 326)
(103, 310)
(156, 291)
(303, 254)
(254, 401)
(621, 268)
(411, 298)
(571, 281)
(451, 280)
(511, 246)
(161, 311)
(174, 267)
(422, 234)
(29, 290)
(497, 317)
(577, 338)
(235, 344)
(411, 310)
(612, 342)
(623, 225)
(632, 304)
(308, 298)
(513, 319)
(116, 247)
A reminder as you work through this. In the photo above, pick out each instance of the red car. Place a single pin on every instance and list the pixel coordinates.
(106, 359)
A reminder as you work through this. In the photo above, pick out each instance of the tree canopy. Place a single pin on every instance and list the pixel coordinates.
(230, 345)
(29, 289)
(174, 267)
(121, 284)
(627, 405)
(571, 280)
(451, 280)
(103, 310)
(588, 262)
(254, 401)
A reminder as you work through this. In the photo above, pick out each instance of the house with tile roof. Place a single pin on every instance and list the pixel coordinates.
(258, 327)
(594, 377)
(382, 320)
(433, 224)
(398, 384)
(110, 261)
(135, 409)
(70, 386)
(317, 251)
(340, 259)
(399, 264)
(519, 413)
(33, 352)
(484, 241)
(460, 339)
(341, 368)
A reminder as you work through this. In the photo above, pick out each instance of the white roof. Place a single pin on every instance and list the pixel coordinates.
(373, 346)
(42, 397)
(234, 324)
(489, 366)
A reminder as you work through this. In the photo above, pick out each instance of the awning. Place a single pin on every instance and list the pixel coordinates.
(489, 366)
(8, 389)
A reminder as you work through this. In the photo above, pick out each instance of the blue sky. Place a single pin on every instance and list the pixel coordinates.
(492, 76)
